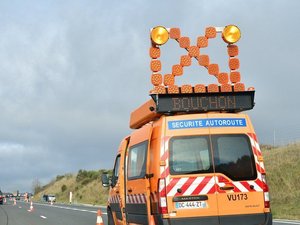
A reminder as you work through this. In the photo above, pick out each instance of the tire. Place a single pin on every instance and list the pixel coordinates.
(110, 220)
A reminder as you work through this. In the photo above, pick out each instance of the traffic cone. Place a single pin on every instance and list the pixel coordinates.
(31, 207)
(99, 218)
(152, 222)
(4, 200)
(15, 202)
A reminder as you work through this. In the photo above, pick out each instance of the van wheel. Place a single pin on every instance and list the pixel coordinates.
(110, 219)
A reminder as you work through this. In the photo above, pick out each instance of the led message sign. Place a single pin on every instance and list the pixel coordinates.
(204, 102)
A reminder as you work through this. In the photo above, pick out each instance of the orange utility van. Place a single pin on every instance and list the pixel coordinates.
(193, 158)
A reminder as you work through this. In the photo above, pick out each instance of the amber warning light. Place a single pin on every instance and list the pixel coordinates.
(159, 35)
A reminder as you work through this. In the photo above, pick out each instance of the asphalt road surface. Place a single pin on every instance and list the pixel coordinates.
(46, 214)
(59, 214)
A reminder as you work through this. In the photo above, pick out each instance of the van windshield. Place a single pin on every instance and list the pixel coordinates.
(232, 155)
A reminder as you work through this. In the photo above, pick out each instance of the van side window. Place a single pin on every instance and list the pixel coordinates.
(116, 171)
(234, 157)
(137, 161)
(190, 155)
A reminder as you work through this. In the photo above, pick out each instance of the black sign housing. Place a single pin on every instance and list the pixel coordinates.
(204, 102)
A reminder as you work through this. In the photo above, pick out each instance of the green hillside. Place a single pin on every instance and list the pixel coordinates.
(85, 186)
(283, 175)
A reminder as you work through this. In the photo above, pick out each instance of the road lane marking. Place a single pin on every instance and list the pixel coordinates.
(296, 222)
(44, 217)
(69, 208)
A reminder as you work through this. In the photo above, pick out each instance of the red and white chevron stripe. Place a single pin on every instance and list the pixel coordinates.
(136, 198)
(208, 184)
(114, 199)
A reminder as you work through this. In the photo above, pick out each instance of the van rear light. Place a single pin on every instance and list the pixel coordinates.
(162, 205)
(266, 191)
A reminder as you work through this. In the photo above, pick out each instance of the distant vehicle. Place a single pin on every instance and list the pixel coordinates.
(49, 198)
(1, 198)
(9, 195)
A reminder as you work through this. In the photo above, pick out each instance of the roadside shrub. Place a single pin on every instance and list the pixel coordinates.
(63, 188)
(59, 177)
(86, 177)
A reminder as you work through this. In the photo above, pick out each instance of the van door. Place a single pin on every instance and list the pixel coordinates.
(137, 184)
(114, 201)
(240, 195)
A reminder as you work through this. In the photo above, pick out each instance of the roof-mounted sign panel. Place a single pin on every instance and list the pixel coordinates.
(203, 102)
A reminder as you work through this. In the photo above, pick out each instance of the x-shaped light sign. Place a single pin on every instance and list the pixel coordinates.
(166, 84)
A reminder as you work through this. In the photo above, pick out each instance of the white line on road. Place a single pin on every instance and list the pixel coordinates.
(296, 222)
(44, 217)
(69, 208)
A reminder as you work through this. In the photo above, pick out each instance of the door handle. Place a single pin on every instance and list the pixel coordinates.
(129, 190)
(226, 188)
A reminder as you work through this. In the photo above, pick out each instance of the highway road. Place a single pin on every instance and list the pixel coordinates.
(59, 214)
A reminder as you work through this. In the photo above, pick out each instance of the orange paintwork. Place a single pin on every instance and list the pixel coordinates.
(142, 114)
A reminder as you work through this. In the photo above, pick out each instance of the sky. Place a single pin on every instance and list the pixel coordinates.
(72, 71)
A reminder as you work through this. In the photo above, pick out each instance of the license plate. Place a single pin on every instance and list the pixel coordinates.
(191, 205)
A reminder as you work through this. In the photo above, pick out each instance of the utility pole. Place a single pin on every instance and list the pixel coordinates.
(274, 138)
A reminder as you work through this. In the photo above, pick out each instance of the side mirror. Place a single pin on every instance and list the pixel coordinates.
(106, 182)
